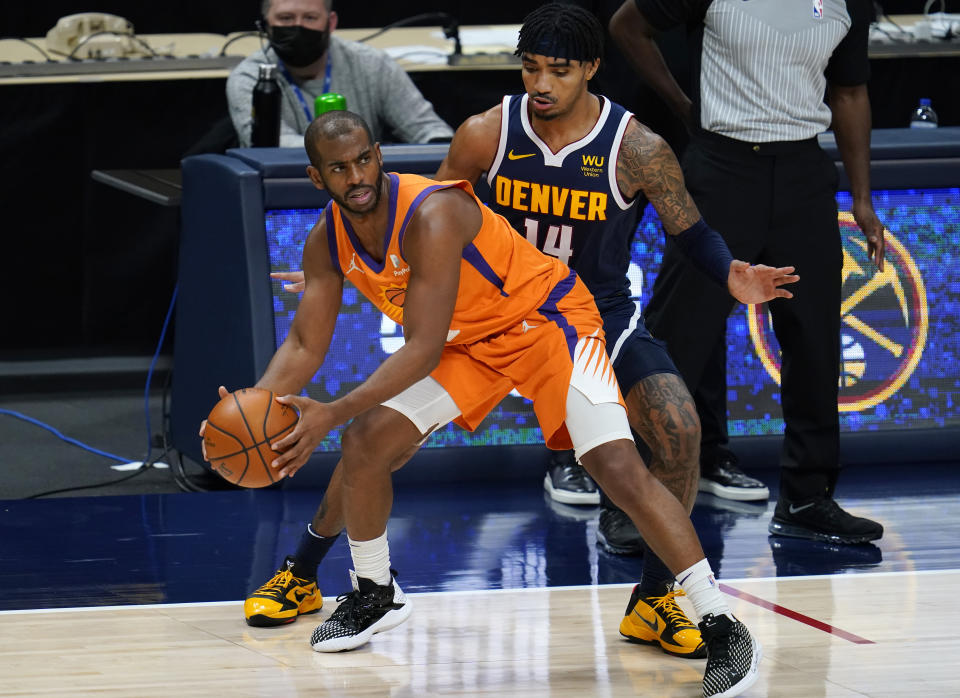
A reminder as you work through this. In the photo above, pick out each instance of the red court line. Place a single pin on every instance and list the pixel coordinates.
(812, 622)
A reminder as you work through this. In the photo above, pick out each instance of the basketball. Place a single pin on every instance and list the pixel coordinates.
(240, 429)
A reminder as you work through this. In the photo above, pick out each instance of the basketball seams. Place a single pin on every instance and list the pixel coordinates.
(227, 456)
(235, 419)
(263, 461)
(227, 433)
(266, 441)
(243, 416)
(253, 437)
(246, 464)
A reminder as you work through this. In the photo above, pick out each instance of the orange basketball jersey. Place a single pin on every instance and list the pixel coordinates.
(502, 276)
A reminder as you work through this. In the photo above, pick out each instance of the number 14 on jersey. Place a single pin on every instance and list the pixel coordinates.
(557, 243)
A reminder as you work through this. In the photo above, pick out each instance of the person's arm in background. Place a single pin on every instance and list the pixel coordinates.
(240, 84)
(847, 74)
(647, 164)
(851, 126)
(407, 113)
(635, 35)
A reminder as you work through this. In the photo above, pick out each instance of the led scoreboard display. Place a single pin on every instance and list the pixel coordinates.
(900, 327)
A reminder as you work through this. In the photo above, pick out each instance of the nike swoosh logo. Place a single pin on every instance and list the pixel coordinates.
(299, 595)
(652, 626)
(794, 510)
(513, 156)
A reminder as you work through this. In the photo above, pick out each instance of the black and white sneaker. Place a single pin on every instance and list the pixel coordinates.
(733, 656)
(722, 477)
(369, 609)
(822, 519)
(567, 482)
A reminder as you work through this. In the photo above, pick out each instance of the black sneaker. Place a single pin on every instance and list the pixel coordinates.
(822, 519)
(566, 481)
(733, 656)
(617, 534)
(721, 477)
(369, 609)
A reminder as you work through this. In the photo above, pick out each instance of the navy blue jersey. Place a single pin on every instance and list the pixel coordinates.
(568, 203)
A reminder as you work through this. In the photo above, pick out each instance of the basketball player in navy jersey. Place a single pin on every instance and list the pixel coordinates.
(571, 171)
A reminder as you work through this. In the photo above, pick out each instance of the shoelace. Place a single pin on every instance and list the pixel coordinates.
(278, 583)
(719, 651)
(718, 646)
(668, 603)
(354, 609)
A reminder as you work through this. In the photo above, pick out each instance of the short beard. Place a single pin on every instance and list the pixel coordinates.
(342, 202)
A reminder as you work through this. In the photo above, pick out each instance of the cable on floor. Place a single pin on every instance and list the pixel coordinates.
(148, 461)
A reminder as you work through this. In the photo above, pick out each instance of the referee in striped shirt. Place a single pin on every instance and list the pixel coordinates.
(760, 70)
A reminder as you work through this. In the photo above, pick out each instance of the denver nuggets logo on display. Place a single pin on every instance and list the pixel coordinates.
(884, 320)
(394, 297)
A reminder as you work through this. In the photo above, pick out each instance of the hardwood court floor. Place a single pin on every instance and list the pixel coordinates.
(871, 634)
(139, 595)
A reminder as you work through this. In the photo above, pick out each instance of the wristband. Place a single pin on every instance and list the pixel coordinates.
(707, 250)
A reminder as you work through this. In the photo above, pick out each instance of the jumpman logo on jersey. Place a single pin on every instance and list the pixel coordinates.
(527, 326)
(353, 265)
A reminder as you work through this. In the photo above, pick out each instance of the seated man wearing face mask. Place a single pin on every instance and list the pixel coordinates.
(311, 61)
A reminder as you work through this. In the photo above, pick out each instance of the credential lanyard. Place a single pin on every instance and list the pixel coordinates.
(299, 93)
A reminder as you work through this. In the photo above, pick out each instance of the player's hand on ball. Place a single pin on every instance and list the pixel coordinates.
(295, 449)
(758, 283)
(223, 392)
(295, 282)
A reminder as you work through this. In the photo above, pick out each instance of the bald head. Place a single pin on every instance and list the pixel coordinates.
(331, 126)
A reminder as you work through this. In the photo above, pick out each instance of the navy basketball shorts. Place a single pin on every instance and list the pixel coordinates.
(634, 352)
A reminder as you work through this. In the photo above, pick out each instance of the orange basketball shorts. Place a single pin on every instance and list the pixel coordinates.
(558, 345)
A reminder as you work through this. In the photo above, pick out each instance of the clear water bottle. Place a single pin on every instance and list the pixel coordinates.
(266, 109)
(923, 116)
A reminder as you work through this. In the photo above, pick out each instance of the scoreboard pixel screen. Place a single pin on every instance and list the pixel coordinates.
(900, 328)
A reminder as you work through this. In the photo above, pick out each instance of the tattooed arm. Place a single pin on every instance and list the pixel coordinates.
(646, 163)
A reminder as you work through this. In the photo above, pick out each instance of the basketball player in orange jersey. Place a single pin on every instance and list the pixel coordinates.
(483, 312)
(543, 152)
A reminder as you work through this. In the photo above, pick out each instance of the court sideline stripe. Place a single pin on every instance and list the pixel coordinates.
(471, 592)
(795, 615)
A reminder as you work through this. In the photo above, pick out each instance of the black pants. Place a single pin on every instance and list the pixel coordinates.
(774, 204)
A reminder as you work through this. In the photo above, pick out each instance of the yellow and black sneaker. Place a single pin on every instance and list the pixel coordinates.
(282, 599)
(658, 620)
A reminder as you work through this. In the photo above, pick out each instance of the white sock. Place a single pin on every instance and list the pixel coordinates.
(700, 586)
(371, 559)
